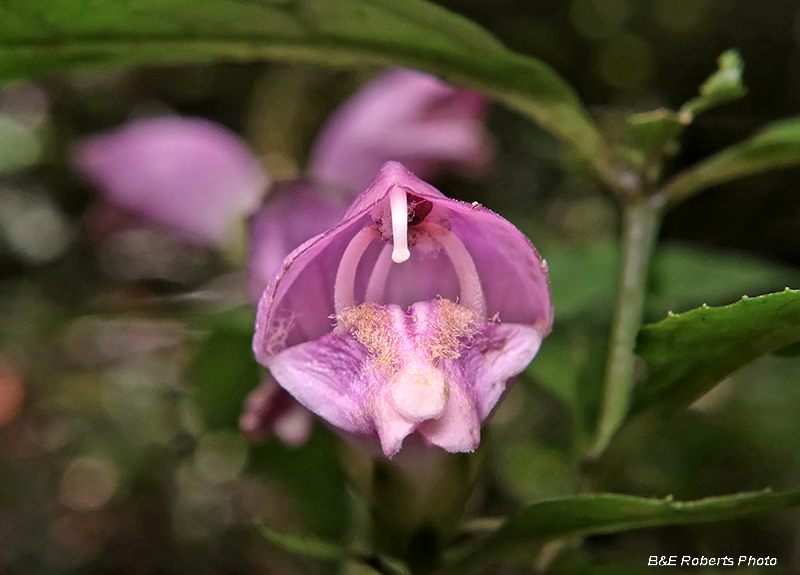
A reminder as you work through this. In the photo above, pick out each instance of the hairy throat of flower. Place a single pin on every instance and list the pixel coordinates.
(408, 347)
(470, 294)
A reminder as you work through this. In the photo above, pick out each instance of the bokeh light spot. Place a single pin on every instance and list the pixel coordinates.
(88, 483)
(626, 62)
(220, 457)
(12, 393)
(598, 19)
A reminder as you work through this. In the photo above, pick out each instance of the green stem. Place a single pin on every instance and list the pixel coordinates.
(641, 222)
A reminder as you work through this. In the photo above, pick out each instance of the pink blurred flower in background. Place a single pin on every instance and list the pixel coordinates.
(192, 176)
(294, 212)
(438, 304)
(405, 116)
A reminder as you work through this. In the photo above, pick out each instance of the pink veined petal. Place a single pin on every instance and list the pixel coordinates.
(391, 427)
(294, 213)
(501, 354)
(326, 377)
(300, 299)
(190, 175)
(334, 329)
(407, 116)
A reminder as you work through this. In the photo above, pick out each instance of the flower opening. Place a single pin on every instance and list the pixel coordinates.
(411, 315)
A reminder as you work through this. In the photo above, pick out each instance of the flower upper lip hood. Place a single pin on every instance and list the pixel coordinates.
(192, 176)
(383, 349)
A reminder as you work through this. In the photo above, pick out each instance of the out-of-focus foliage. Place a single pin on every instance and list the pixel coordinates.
(124, 353)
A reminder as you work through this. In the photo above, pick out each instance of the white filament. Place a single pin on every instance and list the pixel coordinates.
(471, 296)
(344, 288)
(380, 273)
(399, 207)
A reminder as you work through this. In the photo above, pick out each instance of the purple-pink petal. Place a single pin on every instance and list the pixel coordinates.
(515, 278)
(341, 378)
(406, 116)
(270, 410)
(383, 349)
(295, 212)
(192, 176)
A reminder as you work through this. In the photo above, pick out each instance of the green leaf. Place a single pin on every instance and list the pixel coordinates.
(46, 35)
(312, 474)
(306, 546)
(223, 369)
(776, 146)
(682, 277)
(583, 280)
(688, 354)
(528, 529)
(723, 86)
(322, 550)
(656, 132)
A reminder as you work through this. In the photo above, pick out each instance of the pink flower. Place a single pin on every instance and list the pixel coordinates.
(410, 315)
(270, 410)
(192, 176)
(295, 212)
(406, 116)
(403, 115)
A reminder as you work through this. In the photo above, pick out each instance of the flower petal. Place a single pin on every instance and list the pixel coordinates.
(295, 212)
(459, 427)
(407, 116)
(270, 409)
(297, 304)
(438, 336)
(501, 353)
(326, 376)
(191, 175)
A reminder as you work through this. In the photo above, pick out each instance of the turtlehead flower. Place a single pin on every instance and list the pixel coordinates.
(192, 176)
(412, 314)
(407, 116)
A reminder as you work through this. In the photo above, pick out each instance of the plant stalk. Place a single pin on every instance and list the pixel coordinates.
(641, 223)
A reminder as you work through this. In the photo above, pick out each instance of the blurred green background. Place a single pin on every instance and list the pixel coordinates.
(124, 359)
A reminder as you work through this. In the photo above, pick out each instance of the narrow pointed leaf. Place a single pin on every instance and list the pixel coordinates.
(306, 546)
(525, 532)
(776, 146)
(688, 354)
(322, 550)
(46, 35)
